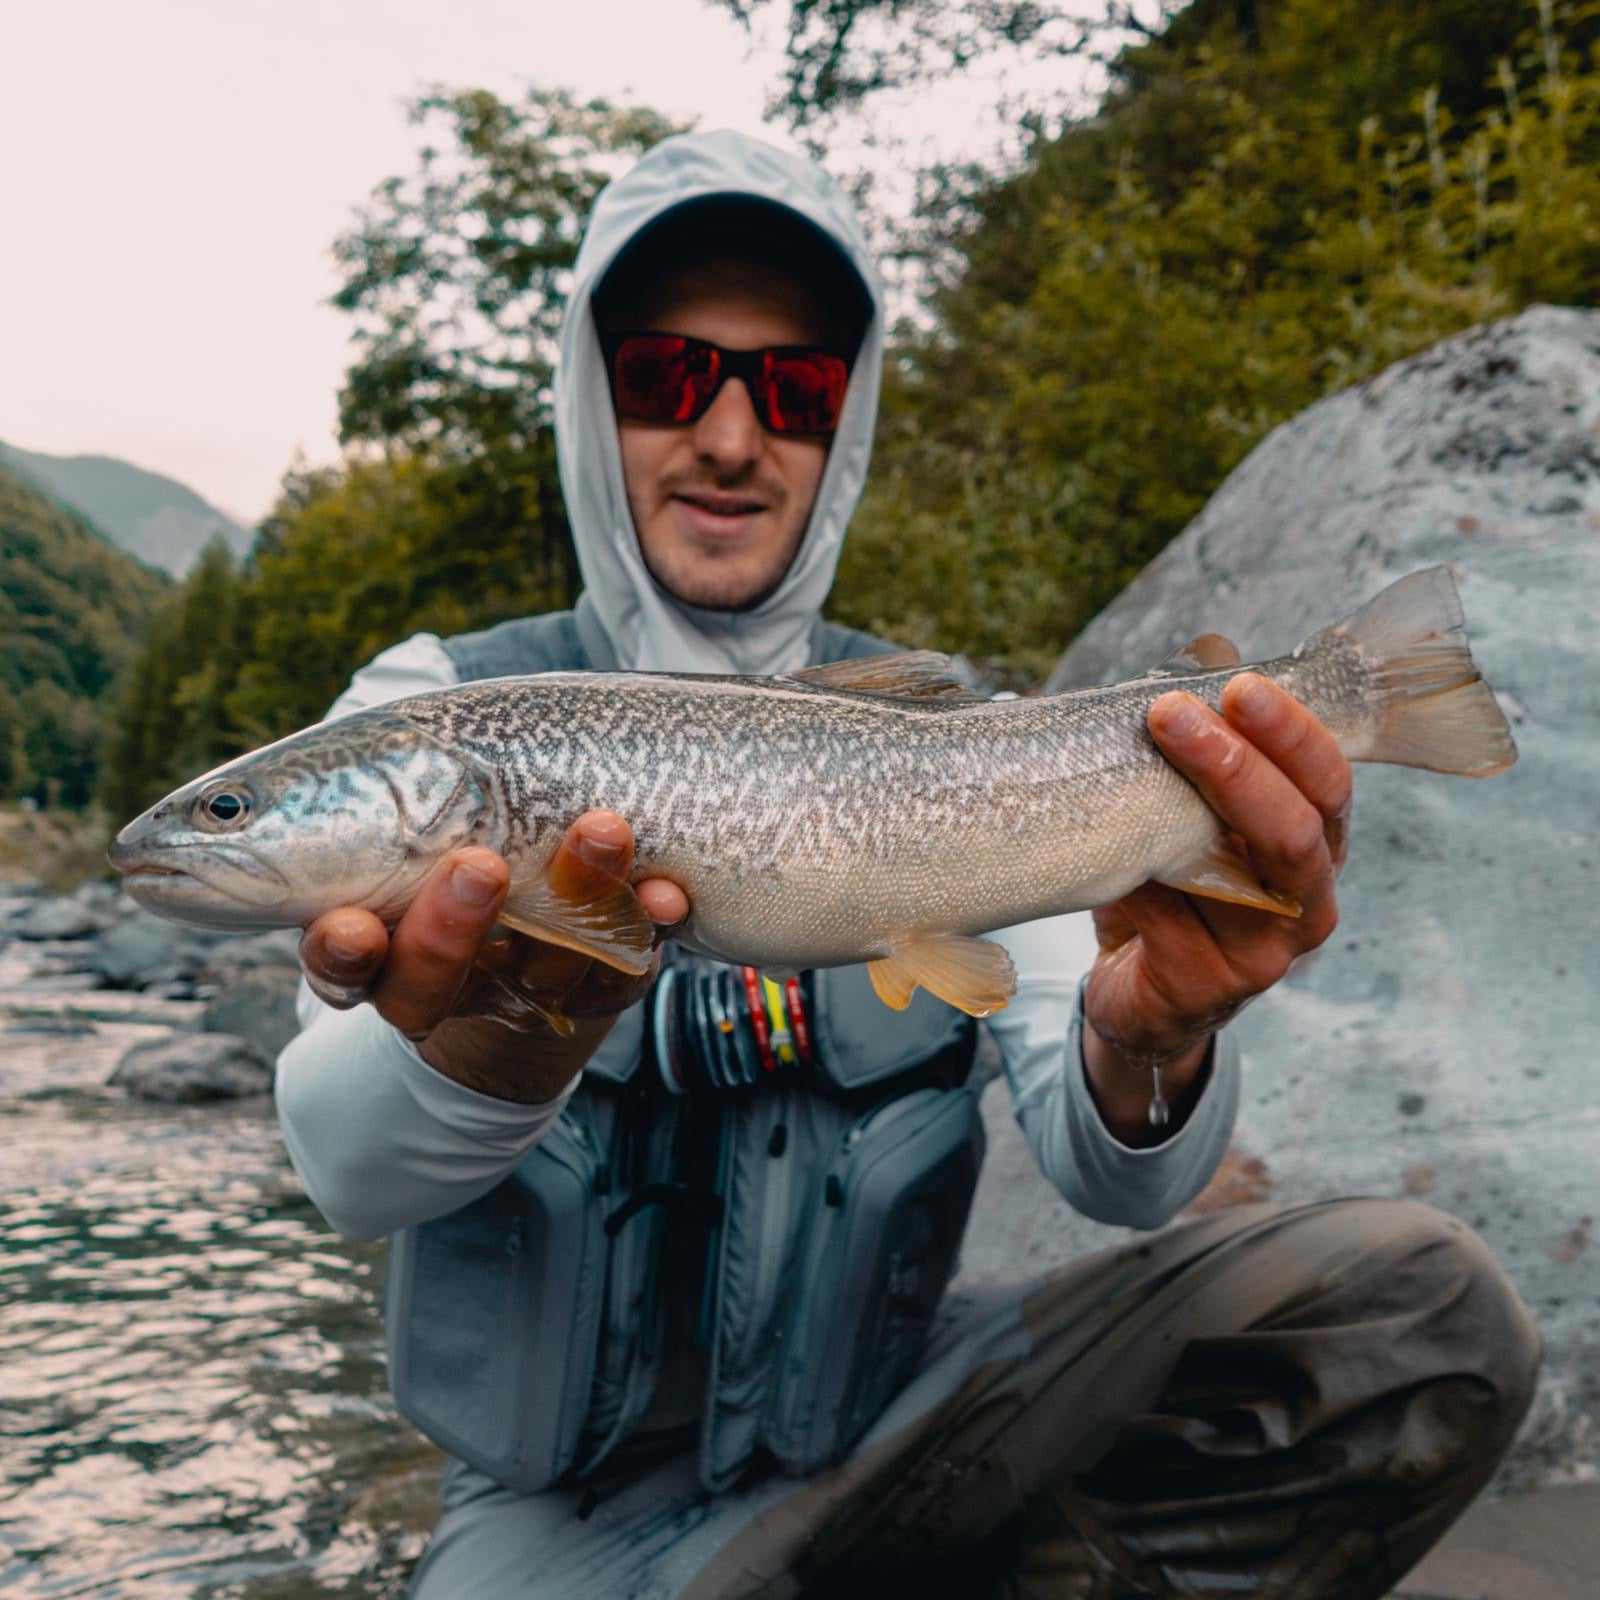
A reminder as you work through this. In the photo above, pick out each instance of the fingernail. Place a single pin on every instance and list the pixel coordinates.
(1181, 717)
(1252, 696)
(471, 885)
(341, 995)
(345, 954)
(603, 853)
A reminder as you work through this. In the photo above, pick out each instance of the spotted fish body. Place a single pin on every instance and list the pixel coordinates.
(869, 811)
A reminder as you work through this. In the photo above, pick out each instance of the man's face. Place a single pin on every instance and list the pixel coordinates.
(720, 505)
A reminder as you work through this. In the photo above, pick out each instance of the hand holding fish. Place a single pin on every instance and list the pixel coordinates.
(466, 998)
(1174, 967)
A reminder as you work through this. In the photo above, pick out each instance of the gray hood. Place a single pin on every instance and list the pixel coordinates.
(646, 628)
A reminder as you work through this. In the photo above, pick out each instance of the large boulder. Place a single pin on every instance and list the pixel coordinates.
(1445, 1043)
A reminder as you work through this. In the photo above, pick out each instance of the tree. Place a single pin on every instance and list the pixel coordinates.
(1241, 229)
(171, 720)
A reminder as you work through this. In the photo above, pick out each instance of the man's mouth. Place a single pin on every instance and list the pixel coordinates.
(710, 512)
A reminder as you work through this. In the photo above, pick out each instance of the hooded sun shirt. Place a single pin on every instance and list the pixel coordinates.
(646, 628)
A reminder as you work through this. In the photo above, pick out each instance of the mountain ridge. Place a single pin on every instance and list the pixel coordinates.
(154, 517)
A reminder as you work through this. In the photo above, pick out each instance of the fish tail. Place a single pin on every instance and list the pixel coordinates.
(1431, 707)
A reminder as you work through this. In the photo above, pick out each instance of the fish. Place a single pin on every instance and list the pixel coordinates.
(877, 810)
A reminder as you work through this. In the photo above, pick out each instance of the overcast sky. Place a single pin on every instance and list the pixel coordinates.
(175, 171)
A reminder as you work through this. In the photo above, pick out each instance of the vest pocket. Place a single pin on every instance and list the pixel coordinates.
(492, 1313)
(887, 1220)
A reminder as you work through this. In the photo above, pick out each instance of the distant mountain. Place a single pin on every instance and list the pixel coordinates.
(72, 608)
(161, 521)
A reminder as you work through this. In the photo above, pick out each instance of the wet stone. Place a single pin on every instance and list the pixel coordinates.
(193, 1068)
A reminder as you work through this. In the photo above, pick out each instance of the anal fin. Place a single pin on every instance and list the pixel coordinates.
(1219, 872)
(583, 908)
(973, 975)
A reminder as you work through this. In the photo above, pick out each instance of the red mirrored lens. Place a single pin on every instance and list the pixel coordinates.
(802, 391)
(663, 377)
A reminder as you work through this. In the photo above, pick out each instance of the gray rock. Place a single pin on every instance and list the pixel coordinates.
(142, 950)
(256, 1002)
(1444, 1042)
(58, 919)
(66, 1026)
(280, 948)
(189, 1068)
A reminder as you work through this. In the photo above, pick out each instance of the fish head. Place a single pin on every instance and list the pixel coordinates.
(356, 811)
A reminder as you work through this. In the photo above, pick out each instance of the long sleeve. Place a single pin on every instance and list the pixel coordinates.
(379, 1138)
(1039, 1035)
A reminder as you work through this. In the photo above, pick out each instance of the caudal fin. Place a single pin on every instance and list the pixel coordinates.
(1434, 709)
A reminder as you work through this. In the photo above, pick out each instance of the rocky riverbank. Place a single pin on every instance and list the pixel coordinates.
(102, 958)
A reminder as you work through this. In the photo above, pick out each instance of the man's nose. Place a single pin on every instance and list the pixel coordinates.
(728, 434)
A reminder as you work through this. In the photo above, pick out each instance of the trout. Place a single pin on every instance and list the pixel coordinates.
(872, 810)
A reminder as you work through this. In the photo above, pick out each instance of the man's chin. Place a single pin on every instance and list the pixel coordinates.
(710, 590)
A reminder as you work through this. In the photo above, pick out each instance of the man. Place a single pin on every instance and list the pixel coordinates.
(1280, 1400)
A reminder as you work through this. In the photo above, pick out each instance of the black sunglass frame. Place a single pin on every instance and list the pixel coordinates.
(741, 364)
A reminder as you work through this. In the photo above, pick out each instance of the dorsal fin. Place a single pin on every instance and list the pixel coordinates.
(920, 675)
(1206, 652)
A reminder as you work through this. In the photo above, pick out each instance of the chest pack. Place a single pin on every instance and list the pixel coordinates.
(822, 1205)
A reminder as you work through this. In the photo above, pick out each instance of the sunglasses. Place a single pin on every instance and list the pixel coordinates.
(669, 377)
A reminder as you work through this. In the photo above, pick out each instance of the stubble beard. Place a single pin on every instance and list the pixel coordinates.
(706, 588)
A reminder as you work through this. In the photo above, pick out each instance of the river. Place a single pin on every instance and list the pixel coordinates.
(192, 1396)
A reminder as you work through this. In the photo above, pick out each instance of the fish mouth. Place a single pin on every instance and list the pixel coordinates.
(215, 884)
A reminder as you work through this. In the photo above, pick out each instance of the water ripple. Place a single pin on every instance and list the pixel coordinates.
(193, 1400)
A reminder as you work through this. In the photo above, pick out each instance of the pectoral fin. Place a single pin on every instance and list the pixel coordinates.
(582, 908)
(973, 975)
(1219, 872)
(519, 1007)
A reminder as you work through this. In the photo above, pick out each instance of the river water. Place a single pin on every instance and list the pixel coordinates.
(192, 1396)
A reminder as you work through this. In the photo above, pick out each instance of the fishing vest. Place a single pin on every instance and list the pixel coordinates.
(825, 1206)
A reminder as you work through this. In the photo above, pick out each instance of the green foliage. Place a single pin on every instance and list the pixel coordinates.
(354, 559)
(71, 609)
(351, 560)
(172, 715)
(1244, 228)
(456, 276)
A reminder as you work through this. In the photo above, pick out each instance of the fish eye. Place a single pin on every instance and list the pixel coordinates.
(224, 807)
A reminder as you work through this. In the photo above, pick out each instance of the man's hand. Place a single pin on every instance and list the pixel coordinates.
(1174, 967)
(426, 979)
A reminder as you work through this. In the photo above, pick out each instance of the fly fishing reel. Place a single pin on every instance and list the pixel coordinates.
(724, 1028)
